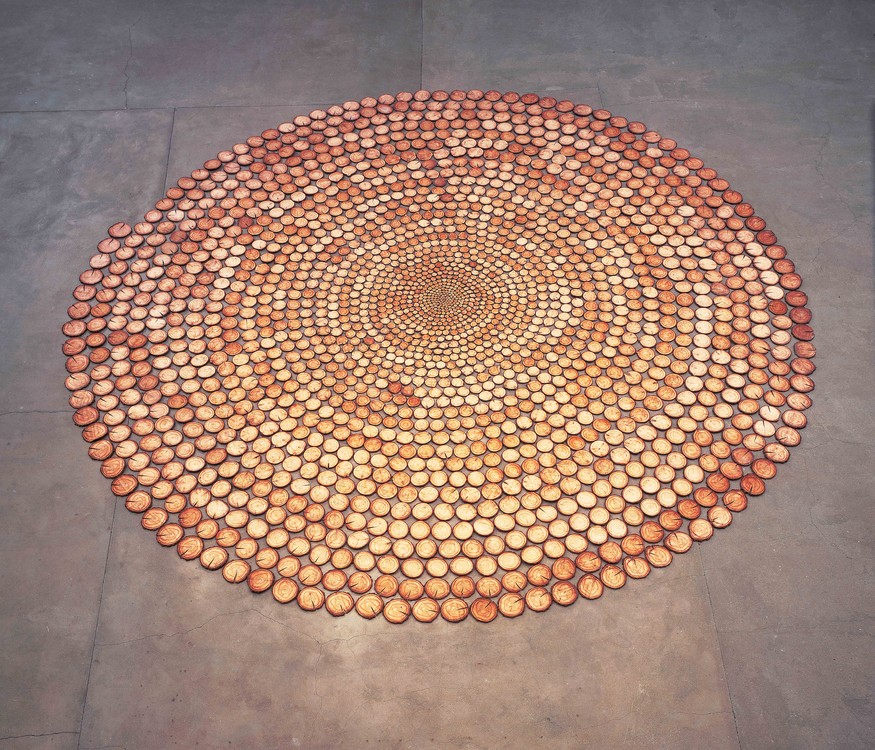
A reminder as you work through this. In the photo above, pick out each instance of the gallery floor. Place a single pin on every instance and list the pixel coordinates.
(759, 638)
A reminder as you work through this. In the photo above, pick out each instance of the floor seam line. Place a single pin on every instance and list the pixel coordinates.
(41, 734)
(720, 652)
(128, 62)
(34, 411)
(169, 150)
(421, 40)
(283, 105)
(115, 502)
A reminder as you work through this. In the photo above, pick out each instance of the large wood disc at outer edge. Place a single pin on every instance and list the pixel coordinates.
(440, 354)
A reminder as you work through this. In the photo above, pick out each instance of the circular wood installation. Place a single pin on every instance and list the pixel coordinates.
(441, 354)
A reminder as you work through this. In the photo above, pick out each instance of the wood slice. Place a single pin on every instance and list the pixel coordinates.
(437, 588)
(511, 604)
(539, 575)
(590, 587)
(678, 542)
(719, 517)
(563, 593)
(658, 556)
(397, 610)
(154, 518)
(564, 569)
(170, 534)
(369, 605)
(138, 502)
(124, 485)
(514, 581)
(538, 599)
(310, 599)
(588, 561)
(735, 500)
(235, 571)
(489, 587)
(260, 580)
(284, 590)
(484, 610)
(462, 587)
(339, 603)
(426, 610)
(454, 610)
(213, 558)
(190, 547)
(613, 577)
(636, 567)
(701, 530)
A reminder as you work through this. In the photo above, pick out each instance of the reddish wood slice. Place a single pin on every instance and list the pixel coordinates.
(285, 590)
(310, 599)
(511, 604)
(260, 580)
(658, 556)
(590, 587)
(636, 567)
(426, 610)
(613, 577)
(369, 605)
(563, 593)
(397, 610)
(484, 610)
(454, 610)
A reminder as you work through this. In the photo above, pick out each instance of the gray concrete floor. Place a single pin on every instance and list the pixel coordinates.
(762, 638)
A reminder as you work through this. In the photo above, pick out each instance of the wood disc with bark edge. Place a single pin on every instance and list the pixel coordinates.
(488, 587)
(463, 587)
(538, 599)
(369, 605)
(285, 590)
(213, 558)
(339, 603)
(359, 582)
(678, 542)
(235, 571)
(260, 580)
(658, 556)
(484, 610)
(411, 590)
(590, 587)
(613, 577)
(190, 547)
(514, 581)
(735, 500)
(201, 347)
(719, 517)
(437, 588)
(700, 530)
(588, 561)
(539, 575)
(397, 610)
(454, 610)
(511, 604)
(564, 569)
(563, 593)
(636, 567)
(426, 610)
(310, 598)
(170, 534)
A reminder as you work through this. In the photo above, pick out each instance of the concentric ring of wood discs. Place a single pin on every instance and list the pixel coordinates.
(441, 354)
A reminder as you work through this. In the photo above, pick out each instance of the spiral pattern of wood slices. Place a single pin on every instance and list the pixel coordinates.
(441, 354)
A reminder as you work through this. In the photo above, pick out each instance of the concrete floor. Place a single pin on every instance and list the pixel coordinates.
(762, 638)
